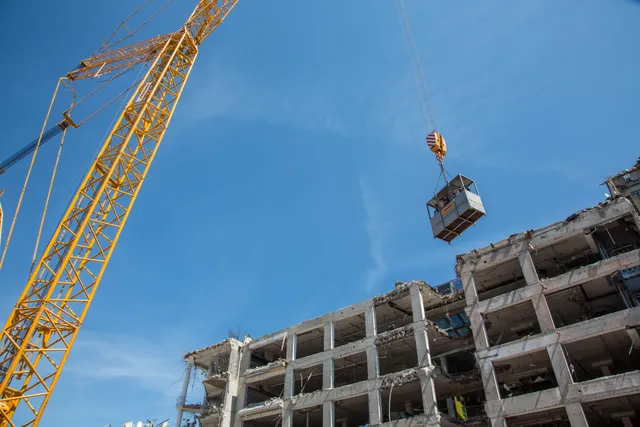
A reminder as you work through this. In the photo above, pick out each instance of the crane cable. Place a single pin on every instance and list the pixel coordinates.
(46, 203)
(26, 180)
(416, 68)
(421, 89)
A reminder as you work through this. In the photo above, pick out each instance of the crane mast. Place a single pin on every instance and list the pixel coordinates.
(42, 327)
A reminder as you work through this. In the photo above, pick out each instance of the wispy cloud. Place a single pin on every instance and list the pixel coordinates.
(375, 228)
(151, 366)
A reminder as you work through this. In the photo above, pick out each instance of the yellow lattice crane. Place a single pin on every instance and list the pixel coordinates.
(43, 325)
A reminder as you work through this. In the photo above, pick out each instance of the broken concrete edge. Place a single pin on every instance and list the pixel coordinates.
(385, 338)
(261, 369)
(224, 376)
(212, 349)
(624, 172)
(418, 420)
(252, 408)
(397, 379)
(478, 420)
(530, 234)
(402, 289)
(457, 377)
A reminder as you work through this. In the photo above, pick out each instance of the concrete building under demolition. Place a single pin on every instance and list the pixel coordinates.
(539, 329)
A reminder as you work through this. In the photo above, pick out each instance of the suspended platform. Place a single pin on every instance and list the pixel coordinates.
(455, 208)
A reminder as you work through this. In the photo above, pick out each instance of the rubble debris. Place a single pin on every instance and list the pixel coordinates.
(399, 378)
(299, 395)
(401, 290)
(393, 335)
(208, 348)
(259, 369)
(274, 401)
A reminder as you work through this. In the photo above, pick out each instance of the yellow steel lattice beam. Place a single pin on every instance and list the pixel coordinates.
(42, 327)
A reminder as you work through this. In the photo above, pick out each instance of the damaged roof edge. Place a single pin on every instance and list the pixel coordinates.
(214, 348)
(530, 234)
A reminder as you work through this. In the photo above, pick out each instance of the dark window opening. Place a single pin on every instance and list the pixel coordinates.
(349, 330)
(406, 402)
(350, 369)
(397, 355)
(570, 254)
(262, 391)
(512, 323)
(525, 374)
(549, 418)
(394, 314)
(307, 380)
(498, 279)
(308, 417)
(616, 238)
(602, 356)
(268, 354)
(612, 412)
(351, 412)
(308, 343)
(587, 301)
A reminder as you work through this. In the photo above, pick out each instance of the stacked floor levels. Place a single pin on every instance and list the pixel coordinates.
(539, 329)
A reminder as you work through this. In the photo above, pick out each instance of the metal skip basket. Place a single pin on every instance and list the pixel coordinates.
(455, 208)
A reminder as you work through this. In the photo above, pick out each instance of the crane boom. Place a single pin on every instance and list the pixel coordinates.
(40, 331)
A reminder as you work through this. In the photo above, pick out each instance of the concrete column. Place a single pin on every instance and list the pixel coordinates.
(560, 367)
(528, 269)
(327, 374)
(327, 365)
(370, 321)
(328, 417)
(543, 314)
(489, 380)
(429, 401)
(182, 398)
(241, 401)
(329, 341)
(373, 362)
(498, 422)
(475, 318)
(419, 328)
(469, 286)
(375, 407)
(231, 392)
(576, 415)
(287, 414)
(288, 373)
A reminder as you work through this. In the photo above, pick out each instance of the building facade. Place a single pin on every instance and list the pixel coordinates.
(539, 329)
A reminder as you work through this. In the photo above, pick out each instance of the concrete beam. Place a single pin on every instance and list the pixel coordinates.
(602, 388)
(564, 281)
(316, 398)
(272, 409)
(337, 353)
(577, 332)
(510, 248)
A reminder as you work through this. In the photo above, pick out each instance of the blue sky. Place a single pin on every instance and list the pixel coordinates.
(293, 178)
